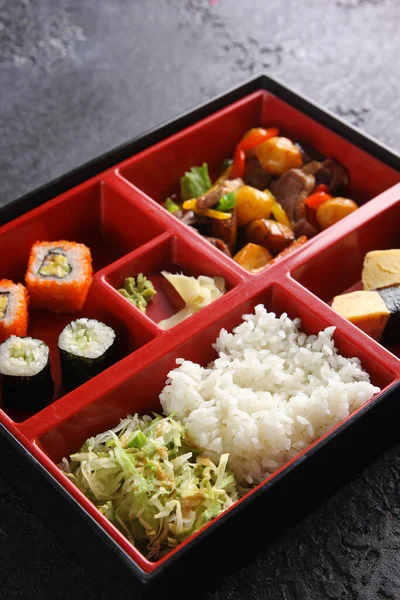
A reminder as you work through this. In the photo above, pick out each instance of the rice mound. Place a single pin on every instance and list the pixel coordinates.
(271, 392)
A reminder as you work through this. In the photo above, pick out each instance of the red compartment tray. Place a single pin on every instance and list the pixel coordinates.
(113, 205)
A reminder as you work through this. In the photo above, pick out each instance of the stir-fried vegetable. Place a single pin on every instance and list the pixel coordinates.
(207, 212)
(279, 214)
(279, 154)
(252, 204)
(257, 136)
(170, 205)
(333, 210)
(318, 197)
(251, 140)
(253, 257)
(239, 160)
(195, 182)
(227, 202)
(151, 482)
(272, 191)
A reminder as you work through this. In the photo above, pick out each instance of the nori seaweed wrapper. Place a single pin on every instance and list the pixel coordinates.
(28, 393)
(76, 370)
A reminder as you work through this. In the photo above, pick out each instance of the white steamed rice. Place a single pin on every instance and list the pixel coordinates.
(271, 392)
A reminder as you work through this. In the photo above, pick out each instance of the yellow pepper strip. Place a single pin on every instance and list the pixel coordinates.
(209, 212)
(215, 214)
(278, 213)
(189, 204)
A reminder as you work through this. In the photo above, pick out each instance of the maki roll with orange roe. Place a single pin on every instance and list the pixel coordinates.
(59, 276)
(13, 309)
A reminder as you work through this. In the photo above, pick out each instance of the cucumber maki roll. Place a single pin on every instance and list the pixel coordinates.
(86, 349)
(26, 380)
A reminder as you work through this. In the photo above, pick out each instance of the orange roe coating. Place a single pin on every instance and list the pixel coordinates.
(58, 295)
(19, 324)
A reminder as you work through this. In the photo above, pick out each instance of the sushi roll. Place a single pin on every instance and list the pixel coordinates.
(59, 276)
(13, 309)
(26, 381)
(86, 349)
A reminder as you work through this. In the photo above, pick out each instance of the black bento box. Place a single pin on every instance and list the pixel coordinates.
(302, 484)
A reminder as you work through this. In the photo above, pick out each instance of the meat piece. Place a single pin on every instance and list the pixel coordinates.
(219, 244)
(312, 167)
(291, 190)
(309, 153)
(213, 196)
(329, 173)
(225, 230)
(232, 185)
(304, 227)
(255, 175)
(333, 175)
(274, 236)
(293, 246)
(209, 199)
(190, 218)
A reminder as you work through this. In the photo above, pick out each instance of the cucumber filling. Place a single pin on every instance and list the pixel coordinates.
(22, 350)
(23, 357)
(55, 264)
(3, 304)
(82, 336)
(88, 338)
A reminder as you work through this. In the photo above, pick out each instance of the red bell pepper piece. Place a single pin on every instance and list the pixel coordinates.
(239, 159)
(257, 136)
(317, 198)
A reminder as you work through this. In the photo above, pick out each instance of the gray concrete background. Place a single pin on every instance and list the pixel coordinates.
(80, 77)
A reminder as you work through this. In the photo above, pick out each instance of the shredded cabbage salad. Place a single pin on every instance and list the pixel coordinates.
(151, 482)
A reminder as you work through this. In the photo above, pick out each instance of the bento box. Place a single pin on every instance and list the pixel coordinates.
(115, 206)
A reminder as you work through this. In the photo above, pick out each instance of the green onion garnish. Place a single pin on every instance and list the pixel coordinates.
(138, 440)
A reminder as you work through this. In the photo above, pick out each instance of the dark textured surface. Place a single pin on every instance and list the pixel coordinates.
(78, 78)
